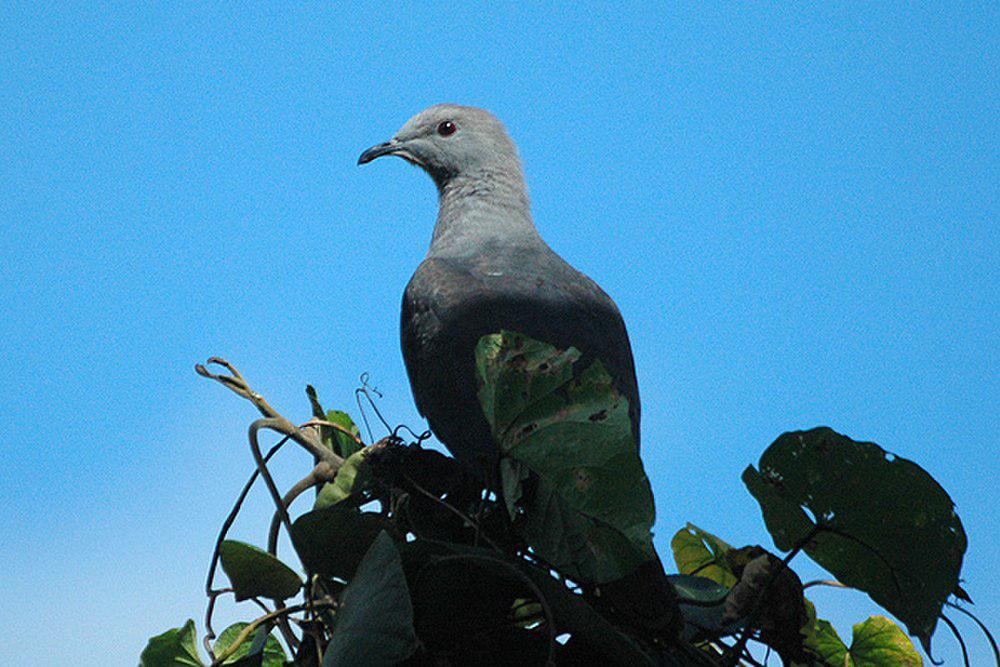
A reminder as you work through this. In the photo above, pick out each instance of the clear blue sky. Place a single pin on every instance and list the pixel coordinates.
(796, 210)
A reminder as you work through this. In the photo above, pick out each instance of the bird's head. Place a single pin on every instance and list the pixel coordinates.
(448, 140)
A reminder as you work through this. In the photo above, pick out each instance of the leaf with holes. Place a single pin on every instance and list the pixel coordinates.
(592, 510)
(255, 573)
(887, 528)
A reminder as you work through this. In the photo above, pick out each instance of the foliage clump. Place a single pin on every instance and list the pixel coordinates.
(408, 558)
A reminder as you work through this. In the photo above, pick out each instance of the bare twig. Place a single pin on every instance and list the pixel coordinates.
(209, 591)
(316, 421)
(236, 383)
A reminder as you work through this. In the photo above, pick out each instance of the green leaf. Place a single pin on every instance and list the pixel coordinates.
(341, 444)
(255, 573)
(891, 530)
(593, 510)
(821, 640)
(174, 647)
(351, 478)
(877, 642)
(270, 654)
(333, 540)
(375, 622)
(699, 552)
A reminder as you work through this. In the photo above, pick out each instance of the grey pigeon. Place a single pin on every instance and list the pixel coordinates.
(488, 269)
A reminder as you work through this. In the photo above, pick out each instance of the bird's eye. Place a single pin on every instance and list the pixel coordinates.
(446, 128)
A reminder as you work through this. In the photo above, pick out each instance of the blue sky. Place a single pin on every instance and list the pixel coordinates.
(795, 209)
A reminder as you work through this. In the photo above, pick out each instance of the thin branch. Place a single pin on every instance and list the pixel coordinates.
(454, 510)
(209, 591)
(236, 383)
(320, 474)
(316, 421)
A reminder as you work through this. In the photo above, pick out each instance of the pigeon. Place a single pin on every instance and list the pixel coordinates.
(488, 270)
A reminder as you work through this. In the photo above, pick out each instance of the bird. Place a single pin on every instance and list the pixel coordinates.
(488, 269)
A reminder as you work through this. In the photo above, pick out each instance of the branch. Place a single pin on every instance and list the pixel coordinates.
(320, 474)
(236, 383)
(209, 591)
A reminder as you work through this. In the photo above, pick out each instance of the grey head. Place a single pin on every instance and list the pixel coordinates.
(449, 141)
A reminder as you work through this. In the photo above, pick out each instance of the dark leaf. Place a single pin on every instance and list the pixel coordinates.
(890, 529)
(173, 648)
(255, 573)
(464, 611)
(333, 540)
(375, 622)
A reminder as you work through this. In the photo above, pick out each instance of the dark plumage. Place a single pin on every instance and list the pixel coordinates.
(488, 269)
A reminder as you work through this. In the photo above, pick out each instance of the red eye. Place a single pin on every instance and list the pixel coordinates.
(446, 128)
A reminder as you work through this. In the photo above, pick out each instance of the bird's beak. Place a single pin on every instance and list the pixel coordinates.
(394, 147)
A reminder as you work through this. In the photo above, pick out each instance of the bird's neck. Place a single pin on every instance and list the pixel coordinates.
(479, 208)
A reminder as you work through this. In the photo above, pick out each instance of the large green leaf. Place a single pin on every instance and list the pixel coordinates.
(270, 653)
(890, 529)
(593, 509)
(877, 642)
(375, 622)
(333, 540)
(255, 573)
(699, 552)
(174, 648)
